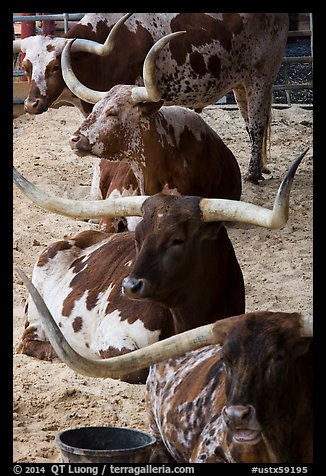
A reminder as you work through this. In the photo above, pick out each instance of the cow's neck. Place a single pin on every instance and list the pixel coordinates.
(198, 308)
(159, 157)
(208, 297)
(155, 159)
(290, 436)
(291, 442)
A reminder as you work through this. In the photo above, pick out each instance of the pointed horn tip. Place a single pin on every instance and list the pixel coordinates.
(166, 39)
(179, 33)
(298, 160)
(127, 15)
(17, 177)
(292, 170)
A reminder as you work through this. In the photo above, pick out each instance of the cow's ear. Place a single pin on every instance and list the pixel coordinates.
(209, 231)
(301, 347)
(80, 56)
(150, 108)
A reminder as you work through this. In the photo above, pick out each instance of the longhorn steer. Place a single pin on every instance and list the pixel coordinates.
(80, 279)
(218, 52)
(185, 262)
(168, 148)
(47, 88)
(42, 55)
(249, 401)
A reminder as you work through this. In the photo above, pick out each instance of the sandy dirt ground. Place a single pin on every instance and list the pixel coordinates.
(277, 265)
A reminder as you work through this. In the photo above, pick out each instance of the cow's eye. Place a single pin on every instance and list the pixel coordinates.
(177, 242)
(279, 357)
(54, 69)
(111, 113)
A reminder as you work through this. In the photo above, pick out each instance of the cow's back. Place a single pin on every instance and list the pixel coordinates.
(229, 49)
(80, 281)
(184, 153)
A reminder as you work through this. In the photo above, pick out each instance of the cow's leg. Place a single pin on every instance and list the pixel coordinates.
(34, 342)
(159, 452)
(259, 115)
(241, 98)
(101, 180)
(96, 192)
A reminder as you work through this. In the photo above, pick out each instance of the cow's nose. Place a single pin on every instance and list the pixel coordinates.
(79, 142)
(134, 288)
(237, 415)
(34, 106)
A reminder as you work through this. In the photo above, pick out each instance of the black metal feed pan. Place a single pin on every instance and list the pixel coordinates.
(104, 444)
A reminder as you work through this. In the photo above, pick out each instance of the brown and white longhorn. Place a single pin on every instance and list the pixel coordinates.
(179, 259)
(214, 54)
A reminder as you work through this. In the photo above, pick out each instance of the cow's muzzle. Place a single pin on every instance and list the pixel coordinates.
(135, 288)
(35, 105)
(241, 421)
(80, 144)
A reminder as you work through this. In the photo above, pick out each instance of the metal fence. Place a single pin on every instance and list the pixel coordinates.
(286, 85)
(299, 66)
(65, 17)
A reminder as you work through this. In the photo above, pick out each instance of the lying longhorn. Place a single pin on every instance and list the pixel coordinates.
(247, 402)
(181, 244)
(168, 148)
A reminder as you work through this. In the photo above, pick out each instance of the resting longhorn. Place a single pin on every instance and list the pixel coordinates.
(98, 319)
(241, 409)
(247, 400)
(169, 149)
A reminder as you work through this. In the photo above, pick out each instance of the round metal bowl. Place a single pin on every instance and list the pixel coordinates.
(104, 444)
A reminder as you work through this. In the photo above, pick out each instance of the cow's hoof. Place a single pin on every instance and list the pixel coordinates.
(160, 456)
(265, 170)
(41, 350)
(253, 177)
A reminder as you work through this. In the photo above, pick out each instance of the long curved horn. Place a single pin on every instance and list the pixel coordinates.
(17, 46)
(147, 93)
(79, 44)
(150, 91)
(89, 46)
(243, 212)
(76, 87)
(124, 206)
(213, 209)
(116, 367)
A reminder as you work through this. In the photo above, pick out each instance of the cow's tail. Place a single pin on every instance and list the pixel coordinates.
(266, 151)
